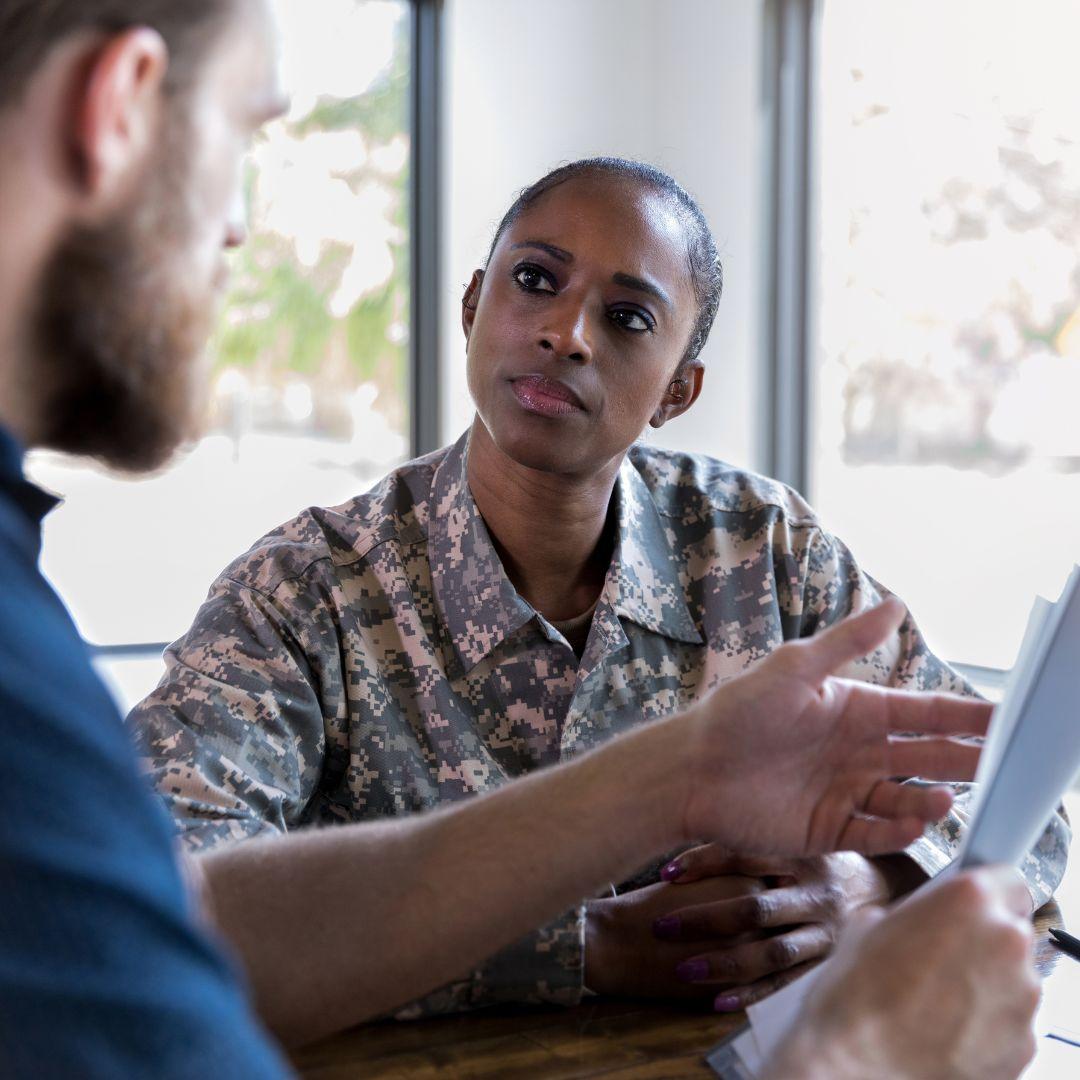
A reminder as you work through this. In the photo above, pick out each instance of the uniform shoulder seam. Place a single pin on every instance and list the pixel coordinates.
(762, 500)
(375, 537)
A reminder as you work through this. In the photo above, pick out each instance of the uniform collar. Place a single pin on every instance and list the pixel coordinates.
(643, 582)
(480, 606)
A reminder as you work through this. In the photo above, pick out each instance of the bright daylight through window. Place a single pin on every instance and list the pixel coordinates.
(309, 384)
(947, 302)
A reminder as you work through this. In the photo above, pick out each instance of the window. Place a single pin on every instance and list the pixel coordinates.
(311, 377)
(945, 292)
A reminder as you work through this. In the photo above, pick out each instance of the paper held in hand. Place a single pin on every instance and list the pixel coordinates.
(1031, 756)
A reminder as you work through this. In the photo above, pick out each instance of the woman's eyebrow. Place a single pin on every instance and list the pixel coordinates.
(555, 252)
(640, 285)
(626, 280)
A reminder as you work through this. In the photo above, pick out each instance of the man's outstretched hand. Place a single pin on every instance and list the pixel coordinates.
(788, 759)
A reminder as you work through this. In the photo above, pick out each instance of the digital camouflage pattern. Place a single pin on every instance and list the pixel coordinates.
(374, 659)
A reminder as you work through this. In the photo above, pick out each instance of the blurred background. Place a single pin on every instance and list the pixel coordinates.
(895, 189)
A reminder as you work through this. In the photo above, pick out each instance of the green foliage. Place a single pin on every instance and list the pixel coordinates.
(277, 316)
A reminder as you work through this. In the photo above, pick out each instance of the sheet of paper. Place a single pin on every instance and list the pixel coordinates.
(769, 1022)
(1008, 710)
(1041, 754)
(773, 1016)
(737, 1057)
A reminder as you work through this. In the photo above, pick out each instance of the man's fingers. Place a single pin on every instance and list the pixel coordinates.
(726, 918)
(1005, 883)
(703, 861)
(752, 961)
(878, 836)
(892, 800)
(738, 998)
(936, 714)
(893, 816)
(933, 759)
(850, 639)
(712, 860)
(859, 924)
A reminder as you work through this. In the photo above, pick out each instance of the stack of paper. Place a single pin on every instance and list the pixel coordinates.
(1031, 755)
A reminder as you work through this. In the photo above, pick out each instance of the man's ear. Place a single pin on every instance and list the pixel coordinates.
(118, 111)
(470, 301)
(682, 391)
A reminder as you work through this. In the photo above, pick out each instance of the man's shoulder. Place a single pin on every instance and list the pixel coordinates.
(104, 836)
(394, 511)
(694, 488)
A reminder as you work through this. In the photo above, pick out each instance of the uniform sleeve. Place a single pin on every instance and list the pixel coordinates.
(233, 737)
(835, 586)
(544, 968)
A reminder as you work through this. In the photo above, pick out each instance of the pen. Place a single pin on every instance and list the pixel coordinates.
(1066, 942)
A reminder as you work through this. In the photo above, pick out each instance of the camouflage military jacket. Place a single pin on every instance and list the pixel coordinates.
(374, 659)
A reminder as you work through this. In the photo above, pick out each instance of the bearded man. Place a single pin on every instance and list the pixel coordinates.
(122, 130)
(120, 145)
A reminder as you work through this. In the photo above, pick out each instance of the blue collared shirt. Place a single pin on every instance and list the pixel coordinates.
(103, 972)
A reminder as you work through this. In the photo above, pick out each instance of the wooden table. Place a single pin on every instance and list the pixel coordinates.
(613, 1039)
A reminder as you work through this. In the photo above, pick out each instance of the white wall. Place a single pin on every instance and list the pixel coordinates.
(531, 84)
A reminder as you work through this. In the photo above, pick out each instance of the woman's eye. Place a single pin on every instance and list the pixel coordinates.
(533, 280)
(636, 321)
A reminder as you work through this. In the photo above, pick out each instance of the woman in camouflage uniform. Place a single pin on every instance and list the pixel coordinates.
(544, 583)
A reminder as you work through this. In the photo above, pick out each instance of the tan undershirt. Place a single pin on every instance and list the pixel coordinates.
(576, 630)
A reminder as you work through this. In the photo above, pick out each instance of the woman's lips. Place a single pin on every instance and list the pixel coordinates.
(546, 397)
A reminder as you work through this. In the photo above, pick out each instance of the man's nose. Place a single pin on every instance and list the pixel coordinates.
(236, 227)
(566, 333)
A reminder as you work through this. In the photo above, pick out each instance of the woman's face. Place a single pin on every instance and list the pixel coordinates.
(577, 328)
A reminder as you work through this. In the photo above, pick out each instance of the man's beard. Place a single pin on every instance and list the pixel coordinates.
(120, 329)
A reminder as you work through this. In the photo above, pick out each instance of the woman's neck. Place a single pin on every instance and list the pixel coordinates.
(552, 533)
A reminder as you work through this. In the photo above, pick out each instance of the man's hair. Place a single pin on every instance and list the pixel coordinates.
(703, 259)
(31, 29)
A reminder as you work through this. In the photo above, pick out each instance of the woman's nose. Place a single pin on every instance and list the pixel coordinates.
(566, 334)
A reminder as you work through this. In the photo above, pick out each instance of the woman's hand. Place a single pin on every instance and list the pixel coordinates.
(624, 957)
(759, 940)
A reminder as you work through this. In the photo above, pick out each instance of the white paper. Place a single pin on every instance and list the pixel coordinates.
(773, 1016)
(1016, 686)
(1041, 753)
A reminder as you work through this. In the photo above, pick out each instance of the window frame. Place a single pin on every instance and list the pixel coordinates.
(791, 51)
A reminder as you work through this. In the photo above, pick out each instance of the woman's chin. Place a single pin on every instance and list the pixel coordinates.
(539, 458)
(538, 451)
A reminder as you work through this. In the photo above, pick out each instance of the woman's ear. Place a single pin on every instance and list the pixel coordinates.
(470, 301)
(682, 391)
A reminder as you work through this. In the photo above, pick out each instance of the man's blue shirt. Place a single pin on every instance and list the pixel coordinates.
(103, 972)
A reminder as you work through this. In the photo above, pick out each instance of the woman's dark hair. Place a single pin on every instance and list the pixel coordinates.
(706, 272)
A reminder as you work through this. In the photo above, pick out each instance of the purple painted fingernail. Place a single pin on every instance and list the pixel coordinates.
(692, 970)
(667, 927)
(672, 871)
(727, 1003)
